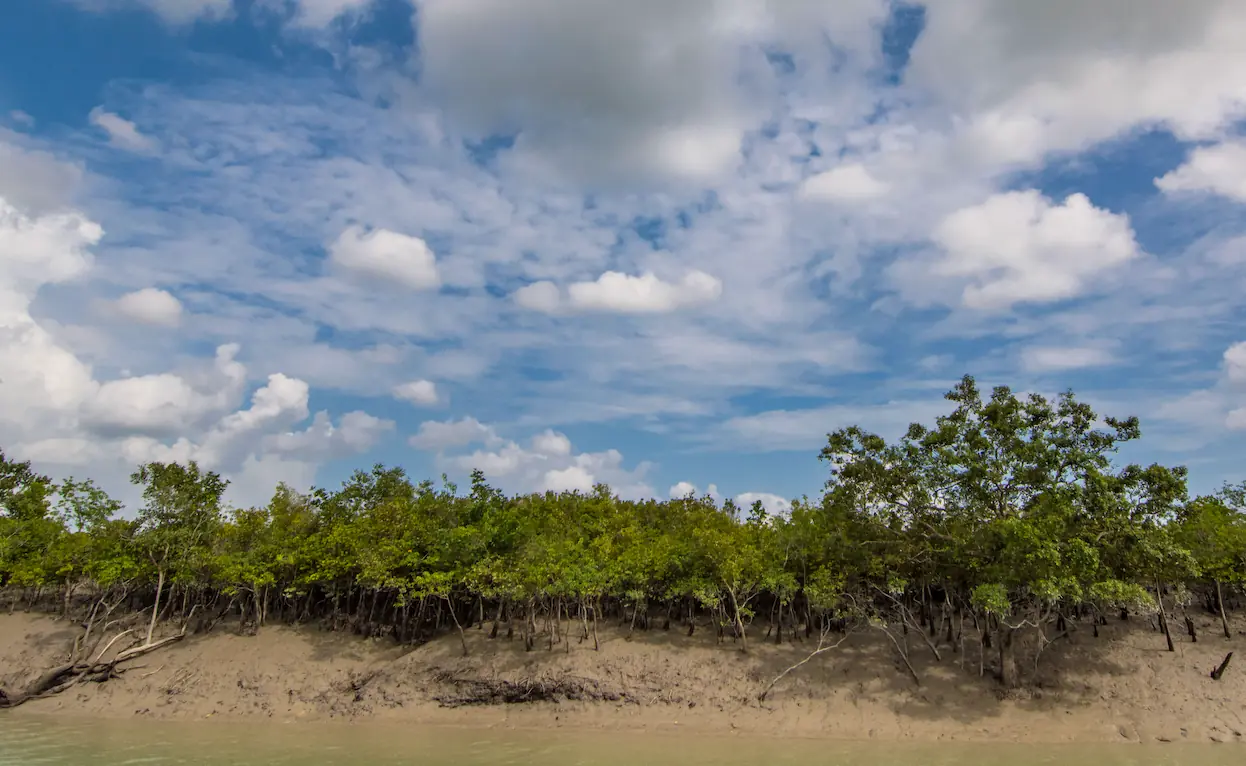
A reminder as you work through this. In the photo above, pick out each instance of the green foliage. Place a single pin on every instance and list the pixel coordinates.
(1009, 506)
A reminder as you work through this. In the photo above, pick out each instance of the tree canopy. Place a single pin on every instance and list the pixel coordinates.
(1008, 512)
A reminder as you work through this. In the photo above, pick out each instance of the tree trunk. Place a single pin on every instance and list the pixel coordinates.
(497, 619)
(596, 646)
(1163, 617)
(1224, 619)
(1219, 671)
(739, 621)
(155, 609)
(1007, 658)
(455, 617)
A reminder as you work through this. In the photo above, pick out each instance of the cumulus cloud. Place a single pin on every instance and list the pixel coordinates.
(386, 256)
(844, 183)
(775, 505)
(574, 478)
(682, 489)
(1020, 247)
(54, 410)
(34, 181)
(150, 306)
(1037, 77)
(420, 392)
(551, 443)
(1219, 169)
(451, 434)
(548, 463)
(121, 132)
(356, 432)
(1235, 363)
(542, 296)
(687, 488)
(164, 403)
(618, 293)
(43, 382)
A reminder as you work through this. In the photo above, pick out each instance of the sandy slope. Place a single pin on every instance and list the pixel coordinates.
(1120, 687)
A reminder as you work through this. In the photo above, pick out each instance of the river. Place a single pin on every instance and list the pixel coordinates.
(28, 741)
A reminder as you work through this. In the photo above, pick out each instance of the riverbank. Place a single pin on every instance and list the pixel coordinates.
(1122, 686)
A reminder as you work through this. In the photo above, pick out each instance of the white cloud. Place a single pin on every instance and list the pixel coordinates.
(604, 91)
(600, 88)
(386, 256)
(844, 183)
(550, 464)
(1219, 169)
(682, 489)
(618, 293)
(450, 434)
(1058, 358)
(1235, 363)
(1038, 77)
(165, 403)
(775, 505)
(540, 296)
(42, 381)
(1019, 247)
(355, 433)
(55, 411)
(34, 181)
(685, 488)
(422, 392)
(1211, 411)
(151, 306)
(551, 443)
(645, 294)
(121, 132)
(573, 478)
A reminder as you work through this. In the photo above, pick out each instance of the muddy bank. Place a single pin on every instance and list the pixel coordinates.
(1121, 686)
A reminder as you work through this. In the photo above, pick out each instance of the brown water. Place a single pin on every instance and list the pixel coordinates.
(31, 742)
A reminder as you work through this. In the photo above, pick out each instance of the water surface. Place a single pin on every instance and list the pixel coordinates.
(51, 742)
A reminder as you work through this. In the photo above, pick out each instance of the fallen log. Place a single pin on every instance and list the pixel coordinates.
(44, 682)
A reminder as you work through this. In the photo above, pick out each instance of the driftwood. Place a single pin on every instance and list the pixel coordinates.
(79, 669)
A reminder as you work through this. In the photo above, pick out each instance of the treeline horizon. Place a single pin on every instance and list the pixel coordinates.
(997, 527)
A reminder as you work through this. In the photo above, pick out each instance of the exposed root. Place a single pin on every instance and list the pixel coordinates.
(821, 648)
(462, 692)
(63, 677)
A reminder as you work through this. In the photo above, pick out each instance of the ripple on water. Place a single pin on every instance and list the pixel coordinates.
(36, 741)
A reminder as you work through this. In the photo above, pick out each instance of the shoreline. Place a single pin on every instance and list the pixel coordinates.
(1120, 688)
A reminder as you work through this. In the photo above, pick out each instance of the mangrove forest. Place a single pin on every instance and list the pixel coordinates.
(1000, 527)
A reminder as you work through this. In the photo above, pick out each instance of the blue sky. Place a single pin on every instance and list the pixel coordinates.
(658, 245)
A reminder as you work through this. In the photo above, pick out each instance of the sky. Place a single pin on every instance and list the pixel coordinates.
(665, 246)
